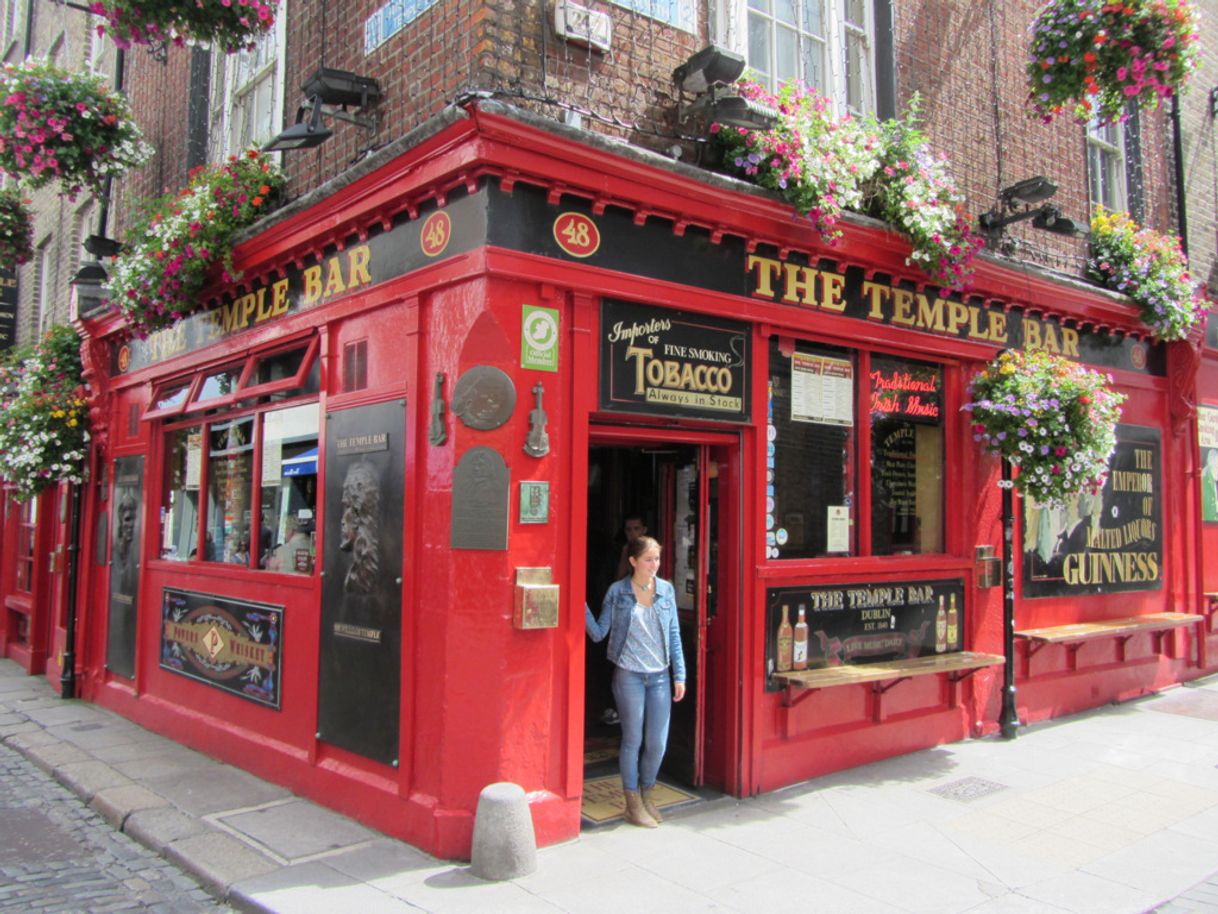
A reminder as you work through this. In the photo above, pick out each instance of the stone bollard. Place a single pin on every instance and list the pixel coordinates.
(504, 844)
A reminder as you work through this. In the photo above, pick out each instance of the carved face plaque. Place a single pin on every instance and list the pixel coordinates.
(484, 397)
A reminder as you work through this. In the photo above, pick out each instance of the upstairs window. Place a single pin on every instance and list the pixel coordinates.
(247, 94)
(1106, 172)
(829, 45)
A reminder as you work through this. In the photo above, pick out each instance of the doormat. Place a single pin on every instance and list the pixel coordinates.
(603, 800)
(600, 749)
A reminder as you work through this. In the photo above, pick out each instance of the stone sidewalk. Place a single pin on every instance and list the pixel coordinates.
(1111, 811)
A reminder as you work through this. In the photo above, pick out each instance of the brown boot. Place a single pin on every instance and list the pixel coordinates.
(648, 795)
(635, 813)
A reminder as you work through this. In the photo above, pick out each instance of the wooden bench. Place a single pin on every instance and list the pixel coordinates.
(883, 675)
(1074, 635)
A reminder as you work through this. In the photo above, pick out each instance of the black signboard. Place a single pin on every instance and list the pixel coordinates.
(8, 309)
(671, 363)
(125, 550)
(233, 645)
(361, 613)
(814, 627)
(1105, 543)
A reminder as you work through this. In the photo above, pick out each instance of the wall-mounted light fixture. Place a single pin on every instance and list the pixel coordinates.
(707, 75)
(1028, 193)
(329, 93)
(89, 283)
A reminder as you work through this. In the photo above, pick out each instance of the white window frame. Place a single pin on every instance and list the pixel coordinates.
(226, 94)
(1106, 147)
(730, 29)
(46, 282)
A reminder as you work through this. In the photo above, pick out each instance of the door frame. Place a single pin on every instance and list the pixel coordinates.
(731, 556)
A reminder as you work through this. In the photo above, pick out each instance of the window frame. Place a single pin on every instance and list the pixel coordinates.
(1112, 151)
(860, 445)
(730, 29)
(225, 96)
(206, 425)
(243, 391)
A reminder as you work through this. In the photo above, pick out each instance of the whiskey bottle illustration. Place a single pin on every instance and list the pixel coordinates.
(786, 639)
(953, 624)
(799, 649)
(940, 628)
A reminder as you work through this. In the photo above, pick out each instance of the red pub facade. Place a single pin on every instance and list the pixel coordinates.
(341, 527)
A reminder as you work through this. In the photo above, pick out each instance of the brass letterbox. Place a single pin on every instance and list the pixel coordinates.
(536, 599)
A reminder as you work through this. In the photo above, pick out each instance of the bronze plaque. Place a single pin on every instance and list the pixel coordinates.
(480, 501)
(484, 397)
(360, 674)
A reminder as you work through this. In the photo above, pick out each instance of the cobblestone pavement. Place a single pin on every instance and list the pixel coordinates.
(58, 856)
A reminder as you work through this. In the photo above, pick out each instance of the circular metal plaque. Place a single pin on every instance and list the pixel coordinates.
(484, 397)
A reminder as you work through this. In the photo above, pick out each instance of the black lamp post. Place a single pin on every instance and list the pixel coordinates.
(1008, 719)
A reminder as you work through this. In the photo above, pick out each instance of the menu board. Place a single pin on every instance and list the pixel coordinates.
(822, 389)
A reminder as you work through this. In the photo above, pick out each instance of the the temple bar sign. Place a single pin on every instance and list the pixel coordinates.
(672, 363)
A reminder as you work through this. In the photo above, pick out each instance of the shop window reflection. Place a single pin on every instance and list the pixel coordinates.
(287, 541)
(180, 501)
(906, 412)
(230, 473)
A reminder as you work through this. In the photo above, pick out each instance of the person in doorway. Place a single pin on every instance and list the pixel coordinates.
(633, 526)
(639, 614)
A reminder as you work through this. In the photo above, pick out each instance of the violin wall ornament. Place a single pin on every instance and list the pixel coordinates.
(436, 433)
(538, 442)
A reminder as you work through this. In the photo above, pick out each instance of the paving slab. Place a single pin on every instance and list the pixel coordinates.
(297, 829)
(115, 804)
(224, 788)
(86, 778)
(313, 888)
(160, 826)
(218, 860)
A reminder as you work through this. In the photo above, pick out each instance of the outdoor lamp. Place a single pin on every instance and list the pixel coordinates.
(302, 135)
(709, 67)
(706, 75)
(329, 92)
(88, 288)
(1030, 191)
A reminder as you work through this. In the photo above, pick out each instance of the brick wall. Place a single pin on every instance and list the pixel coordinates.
(964, 58)
(1201, 156)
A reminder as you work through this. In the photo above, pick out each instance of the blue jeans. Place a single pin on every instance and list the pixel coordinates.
(644, 701)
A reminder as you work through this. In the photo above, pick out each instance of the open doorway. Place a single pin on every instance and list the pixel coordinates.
(671, 489)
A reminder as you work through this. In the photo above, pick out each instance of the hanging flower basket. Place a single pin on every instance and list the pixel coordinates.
(168, 257)
(229, 25)
(1151, 269)
(1095, 58)
(60, 125)
(16, 229)
(1052, 418)
(44, 428)
(822, 165)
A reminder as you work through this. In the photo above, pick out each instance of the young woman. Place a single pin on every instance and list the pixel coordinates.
(640, 617)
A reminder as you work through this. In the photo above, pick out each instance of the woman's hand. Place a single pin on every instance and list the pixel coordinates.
(678, 691)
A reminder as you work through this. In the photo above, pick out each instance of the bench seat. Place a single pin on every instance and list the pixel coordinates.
(1106, 628)
(957, 665)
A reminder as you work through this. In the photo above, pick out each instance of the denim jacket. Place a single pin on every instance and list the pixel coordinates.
(617, 612)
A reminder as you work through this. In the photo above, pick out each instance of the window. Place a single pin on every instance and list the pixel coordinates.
(259, 378)
(817, 449)
(1106, 165)
(268, 525)
(46, 277)
(247, 94)
(827, 44)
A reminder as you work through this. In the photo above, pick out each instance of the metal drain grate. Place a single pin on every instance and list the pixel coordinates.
(82, 728)
(968, 789)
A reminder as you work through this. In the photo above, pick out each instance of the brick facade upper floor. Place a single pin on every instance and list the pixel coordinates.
(963, 59)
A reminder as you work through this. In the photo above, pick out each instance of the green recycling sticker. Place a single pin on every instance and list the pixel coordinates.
(539, 338)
